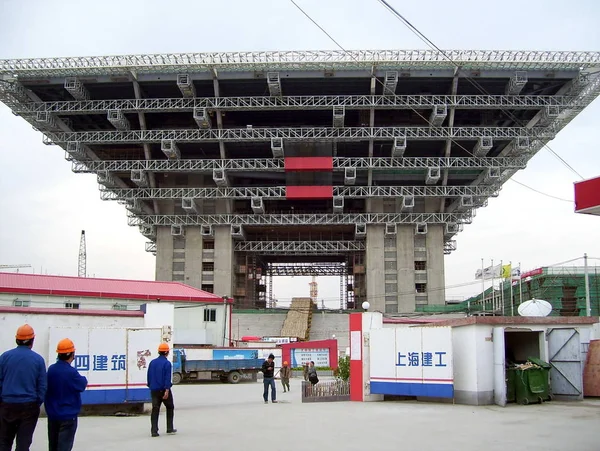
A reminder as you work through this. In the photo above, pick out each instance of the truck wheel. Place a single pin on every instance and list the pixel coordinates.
(234, 377)
(176, 378)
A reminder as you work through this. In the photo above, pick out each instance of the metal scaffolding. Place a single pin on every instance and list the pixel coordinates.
(307, 269)
(296, 59)
(279, 192)
(356, 102)
(207, 166)
(300, 219)
(300, 247)
(304, 133)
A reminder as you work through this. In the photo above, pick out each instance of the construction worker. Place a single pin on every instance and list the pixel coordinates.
(22, 391)
(63, 398)
(159, 381)
(268, 370)
(286, 373)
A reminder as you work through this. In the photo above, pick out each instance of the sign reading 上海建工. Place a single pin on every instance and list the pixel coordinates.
(412, 361)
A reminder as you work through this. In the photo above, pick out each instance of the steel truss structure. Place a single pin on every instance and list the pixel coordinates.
(305, 133)
(300, 247)
(279, 192)
(207, 166)
(356, 102)
(297, 60)
(301, 219)
(307, 269)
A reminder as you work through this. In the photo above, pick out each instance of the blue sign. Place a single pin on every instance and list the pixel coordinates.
(234, 354)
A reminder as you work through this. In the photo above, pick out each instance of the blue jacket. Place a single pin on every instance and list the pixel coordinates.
(63, 398)
(159, 374)
(22, 376)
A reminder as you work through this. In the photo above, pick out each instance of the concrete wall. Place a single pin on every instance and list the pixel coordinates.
(375, 267)
(435, 265)
(257, 324)
(191, 329)
(405, 243)
(164, 254)
(223, 261)
(325, 325)
(193, 257)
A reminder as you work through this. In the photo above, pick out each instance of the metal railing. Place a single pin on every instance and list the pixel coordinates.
(330, 391)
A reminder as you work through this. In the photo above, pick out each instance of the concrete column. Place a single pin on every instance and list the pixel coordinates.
(193, 257)
(405, 260)
(223, 261)
(164, 254)
(375, 267)
(435, 264)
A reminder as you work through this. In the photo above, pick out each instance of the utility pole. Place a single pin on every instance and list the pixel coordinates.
(82, 262)
(588, 307)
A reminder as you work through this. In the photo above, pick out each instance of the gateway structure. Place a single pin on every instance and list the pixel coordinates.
(363, 164)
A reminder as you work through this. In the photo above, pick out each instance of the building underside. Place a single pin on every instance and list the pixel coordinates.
(243, 166)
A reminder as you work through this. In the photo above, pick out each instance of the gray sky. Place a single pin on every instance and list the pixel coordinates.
(44, 206)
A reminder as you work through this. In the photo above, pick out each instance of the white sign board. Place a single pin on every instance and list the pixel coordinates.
(412, 361)
(355, 345)
(302, 356)
(114, 361)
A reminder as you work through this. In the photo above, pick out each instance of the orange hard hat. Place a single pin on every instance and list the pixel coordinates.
(285, 363)
(25, 332)
(163, 347)
(65, 346)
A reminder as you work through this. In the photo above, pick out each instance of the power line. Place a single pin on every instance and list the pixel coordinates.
(427, 41)
(413, 28)
(540, 192)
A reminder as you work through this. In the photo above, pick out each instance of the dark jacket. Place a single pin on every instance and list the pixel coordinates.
(65, 385)
(160, 374)
(268, 369)
(22, 376)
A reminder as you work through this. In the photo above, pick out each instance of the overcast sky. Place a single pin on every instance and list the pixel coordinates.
(44, 206)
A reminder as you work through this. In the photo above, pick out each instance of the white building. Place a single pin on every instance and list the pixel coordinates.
(200, 317)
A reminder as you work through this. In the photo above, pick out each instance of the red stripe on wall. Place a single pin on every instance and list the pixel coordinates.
(587, 194)
(308, 164)
(356, 366)
(309, 192)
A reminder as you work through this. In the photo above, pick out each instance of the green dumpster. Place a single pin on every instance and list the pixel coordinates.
(511, 390)
(531, 383)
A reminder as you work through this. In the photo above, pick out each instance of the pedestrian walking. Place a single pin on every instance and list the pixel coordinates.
(160, 372)
(312, 373)
(268, 370)
(22, 391)
(285, 373)
(305, 371)
(63, 398)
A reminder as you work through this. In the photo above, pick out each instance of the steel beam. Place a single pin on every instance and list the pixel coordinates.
(207, 166)
(300, 247)
(307, 269)
(355, 102)
(298, 60)
(300, 219)
(279, 192)
(305, 133)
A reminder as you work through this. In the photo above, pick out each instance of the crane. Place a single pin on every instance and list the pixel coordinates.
(82, 262)
(15, 266)
(314, 290)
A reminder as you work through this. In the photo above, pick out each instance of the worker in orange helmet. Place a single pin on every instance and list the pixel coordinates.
(22, 391)
(285, 372)
(63, 398)
(160, 374)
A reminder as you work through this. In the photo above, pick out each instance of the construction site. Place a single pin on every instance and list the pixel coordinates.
(241, 167)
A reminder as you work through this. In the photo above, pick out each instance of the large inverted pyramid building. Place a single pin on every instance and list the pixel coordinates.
(242, 166)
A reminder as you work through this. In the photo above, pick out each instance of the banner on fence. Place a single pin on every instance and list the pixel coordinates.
(412, 361)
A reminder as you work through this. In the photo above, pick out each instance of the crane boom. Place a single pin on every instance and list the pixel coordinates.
(82, 262)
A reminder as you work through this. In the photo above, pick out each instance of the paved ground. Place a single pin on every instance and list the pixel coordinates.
(224, 417)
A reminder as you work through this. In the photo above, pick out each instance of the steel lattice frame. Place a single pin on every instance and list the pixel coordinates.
(307, 133)
(300, 247)
(307, 269)
(298, 60)
(357, 102)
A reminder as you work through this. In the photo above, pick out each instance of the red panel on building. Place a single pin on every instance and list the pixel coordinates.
(587, 196)
(308, 164)
(309, 192)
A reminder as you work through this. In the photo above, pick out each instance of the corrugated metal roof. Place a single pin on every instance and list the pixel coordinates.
(102, 288)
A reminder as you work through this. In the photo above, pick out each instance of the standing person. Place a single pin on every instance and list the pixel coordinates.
(63, 398)
(286, 373)
(268, 370)
(159, 381)
(305, 371)
(312, 373)
(22, 391)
